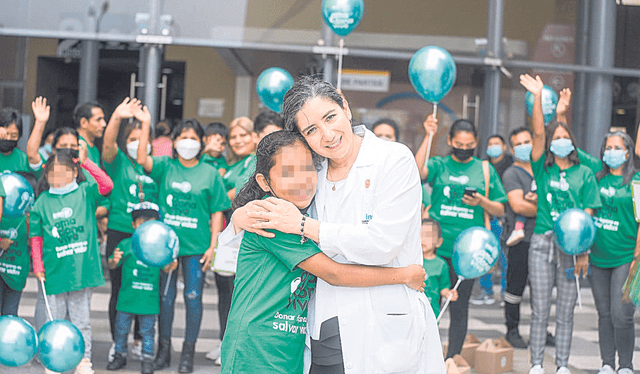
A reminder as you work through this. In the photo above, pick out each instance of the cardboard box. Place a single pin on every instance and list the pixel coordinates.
(494, 357)
(457, 365)
(471, 342)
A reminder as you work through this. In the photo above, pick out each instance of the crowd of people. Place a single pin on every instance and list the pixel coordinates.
(344, 237)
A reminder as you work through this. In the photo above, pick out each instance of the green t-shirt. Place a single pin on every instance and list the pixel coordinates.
(239, 173)
(589, 161)
(17, 161)
(437, 280)
(449, 179)
(615, 222)
(2, 193)
(216, 162)
(139, 292)
(127, 176)
(268, 317)
(15, 261)
(426, 196)
(67, 224)
(187, 198)
(559, 190)
(93, 153)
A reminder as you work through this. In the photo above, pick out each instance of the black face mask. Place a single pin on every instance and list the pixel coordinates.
(7, 146)
(463, 154)
(73, 152)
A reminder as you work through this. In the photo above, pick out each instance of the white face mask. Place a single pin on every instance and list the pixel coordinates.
(64, 189)
(132, 149)
(188, 148)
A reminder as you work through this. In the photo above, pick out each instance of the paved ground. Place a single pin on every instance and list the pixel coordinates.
(485, 322)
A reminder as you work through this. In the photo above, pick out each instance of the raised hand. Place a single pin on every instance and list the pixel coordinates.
(533, 85)
(126, 108)
(564, 101)
(41, 111)
(142, 114)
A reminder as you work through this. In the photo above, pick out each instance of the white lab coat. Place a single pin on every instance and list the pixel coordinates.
(386, 329)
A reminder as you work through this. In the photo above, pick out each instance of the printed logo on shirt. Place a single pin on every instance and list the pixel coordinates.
(10, 233)
(144, 179)
(64, 213)
(133, 190)
(453, 206)
(559, 201)
(290, 320)
(562, 184)
(367, 219)
(185, 187)
(463, 179)
(610, 192)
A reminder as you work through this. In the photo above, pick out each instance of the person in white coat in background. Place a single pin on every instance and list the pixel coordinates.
(367, 211)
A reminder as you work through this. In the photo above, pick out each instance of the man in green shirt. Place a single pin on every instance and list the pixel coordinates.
(90, 122)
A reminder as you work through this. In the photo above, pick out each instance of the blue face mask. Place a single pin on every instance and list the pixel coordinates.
(64, 189)
(562, 147)
(523, 152)
(494, 151)
(614, 158)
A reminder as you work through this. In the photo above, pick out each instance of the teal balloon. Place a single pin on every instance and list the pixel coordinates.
(574, 231)
(475, 251)
(432, 73)
(271, 85)
(61, 345)
(20, 196)
(18, 341)
(155, 243)
(342, 16)
(549, 103)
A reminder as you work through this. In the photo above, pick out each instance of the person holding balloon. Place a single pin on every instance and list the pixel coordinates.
(368, 212)
(465, 190)
(192, 198)
(64, 240)
(565, 182)
(139, 296)
(612, 254)
(131, 186)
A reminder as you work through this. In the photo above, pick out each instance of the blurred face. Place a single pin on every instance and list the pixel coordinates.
(67, 141)
(96, 124)
(521, 138)
(326, 127)
(463, 140)
(216, 143)
(60, 175)
(186, 134)
(496, 141)
(134, 135)
(10, 132)
(49, 139)
(385, 132)
(268, 130)
(293, 177)
(139, 221)
(615, 142)
(430, 239)
(241, 141)
(560, 133)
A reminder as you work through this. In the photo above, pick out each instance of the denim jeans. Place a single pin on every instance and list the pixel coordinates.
(147, 331)
(9, 299)
(485, 281)
(193, 283)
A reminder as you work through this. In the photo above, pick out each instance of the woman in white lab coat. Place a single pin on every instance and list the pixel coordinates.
(367, 212)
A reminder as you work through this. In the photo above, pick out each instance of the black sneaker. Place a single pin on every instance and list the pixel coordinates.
(551, 341)
(514, 338)
(119, 361)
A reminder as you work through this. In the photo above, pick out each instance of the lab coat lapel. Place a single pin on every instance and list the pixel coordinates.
(320, 191)
(364, 160)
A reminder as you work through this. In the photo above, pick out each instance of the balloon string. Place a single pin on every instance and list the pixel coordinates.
(577, 283)
(446, 303)
(166, 287)
(46, 301)
(426, 159)
(435, 110)
(340, 63)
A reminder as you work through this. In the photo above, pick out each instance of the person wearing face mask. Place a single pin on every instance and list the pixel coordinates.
(457, 210)
(497, 154)
(614, 254)
(131, 186)
(46, 150)
(565, 181)
(192, 198)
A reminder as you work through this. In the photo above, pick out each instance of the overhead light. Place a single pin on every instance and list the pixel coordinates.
(621, 112)
(629, 2)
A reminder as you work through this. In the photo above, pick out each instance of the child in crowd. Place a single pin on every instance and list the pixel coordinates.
(64, 240)
(139, 296)
(437, 284)
(215, 140)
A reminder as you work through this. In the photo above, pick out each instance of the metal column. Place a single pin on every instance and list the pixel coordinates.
(329, 62)
(153, 62)
(579, 97)
(490, 104)
(88, 78)
(602, 32)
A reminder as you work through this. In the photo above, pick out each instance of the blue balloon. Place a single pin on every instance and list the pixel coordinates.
(574, 231)
(432, 72)
(155, 243)
(18, 341)
(342, 16)
(271, 85)
(19, 193)
(61, 346)
(549, 103)
(475, 251)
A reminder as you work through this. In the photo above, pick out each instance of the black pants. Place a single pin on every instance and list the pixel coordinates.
(517, 274)
(113, 239)
(225, 293)
(458, 311)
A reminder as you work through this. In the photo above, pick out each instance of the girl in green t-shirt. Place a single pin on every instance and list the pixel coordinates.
(613, 252)
(564, 180)
(276, 277)
(458, 202)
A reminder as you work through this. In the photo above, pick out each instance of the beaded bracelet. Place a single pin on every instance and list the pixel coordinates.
(302, 238)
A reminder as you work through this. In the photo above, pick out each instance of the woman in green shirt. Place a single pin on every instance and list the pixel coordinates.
(242, 163)
(456, 210)
(565, 180)
(613, 252)
(191, 198)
